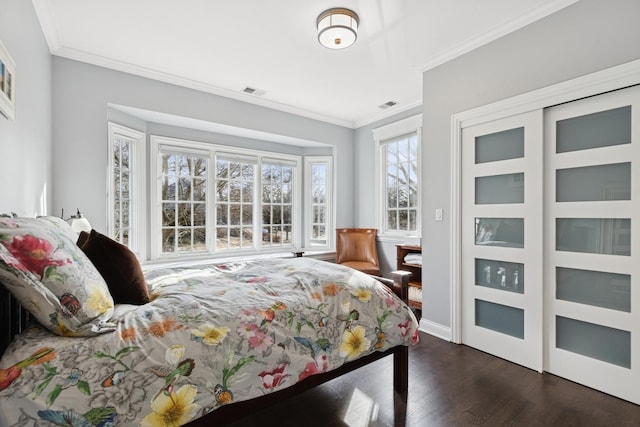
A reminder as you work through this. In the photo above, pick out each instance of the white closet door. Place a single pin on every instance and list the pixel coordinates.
(592, 251)
(502, 238)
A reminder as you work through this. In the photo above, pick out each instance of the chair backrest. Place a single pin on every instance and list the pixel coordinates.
(356, 244)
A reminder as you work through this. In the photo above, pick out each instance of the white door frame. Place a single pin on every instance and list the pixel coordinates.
(592, 84)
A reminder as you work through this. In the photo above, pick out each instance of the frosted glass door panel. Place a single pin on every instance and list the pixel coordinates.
(596, 341)
(594, 183)
(608, 236)
(497, 189)
(500, 318)
(602, 129)
(597, 288)
(504, 145)
(506, 276)
(507, 232)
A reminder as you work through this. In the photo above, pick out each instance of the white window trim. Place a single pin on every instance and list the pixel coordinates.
(330, 214)
(137, 187)
(213, 150)
(380, 135)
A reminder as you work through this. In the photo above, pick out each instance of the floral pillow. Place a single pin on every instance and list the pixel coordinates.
(43, 268)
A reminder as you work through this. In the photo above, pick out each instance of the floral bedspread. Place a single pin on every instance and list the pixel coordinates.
(211, 336)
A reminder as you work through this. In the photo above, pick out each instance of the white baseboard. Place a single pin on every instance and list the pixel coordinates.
(435, 329)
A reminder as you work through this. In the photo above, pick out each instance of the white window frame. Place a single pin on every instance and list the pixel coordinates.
(309, 161)
(157, 142)
(137, 186)
(381, 135)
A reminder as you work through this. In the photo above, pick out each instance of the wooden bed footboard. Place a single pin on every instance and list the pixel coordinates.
(13, 318)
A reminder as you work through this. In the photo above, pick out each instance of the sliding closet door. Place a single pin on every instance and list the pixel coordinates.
(502, 238)
(592, 249)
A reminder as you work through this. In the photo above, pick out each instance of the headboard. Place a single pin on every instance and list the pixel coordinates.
(13, 318)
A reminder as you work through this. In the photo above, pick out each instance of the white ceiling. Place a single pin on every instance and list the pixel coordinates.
(222, 46)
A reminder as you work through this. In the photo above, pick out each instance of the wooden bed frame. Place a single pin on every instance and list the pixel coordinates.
(13, 319)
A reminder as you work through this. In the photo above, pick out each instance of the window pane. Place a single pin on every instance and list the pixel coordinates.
(222, 169)
(200, 215)
(125, 214)
(247, 237)
(222, 238)
(168, 240)
(286, 215)
(124, 184)
(392, 220)
(184, 240)
(221, 213)
(222, 191)
(286, 234)
(200, 239)
(247, 214)
(168, 214)
(234, 214)
(199, 190)
(124, 159)
(184, 214)
(234, 237)
(403, 219)
(247, 192)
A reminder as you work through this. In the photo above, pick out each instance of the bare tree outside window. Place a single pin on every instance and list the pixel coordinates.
(277, 204)
(183, 198)
(319, 204)
(235, 187)
(121, 189)
(401, 157)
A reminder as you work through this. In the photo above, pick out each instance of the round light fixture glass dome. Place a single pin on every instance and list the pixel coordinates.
(337, 28)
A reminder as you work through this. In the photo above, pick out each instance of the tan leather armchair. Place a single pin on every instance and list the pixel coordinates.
(356, 248)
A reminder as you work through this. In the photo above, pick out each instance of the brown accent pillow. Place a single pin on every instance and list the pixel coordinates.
(118, 266)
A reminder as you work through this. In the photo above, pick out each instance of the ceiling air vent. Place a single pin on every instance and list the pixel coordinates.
(253, 91)
(387, 104)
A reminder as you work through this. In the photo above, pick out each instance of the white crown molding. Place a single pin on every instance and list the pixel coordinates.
(496, 33)
(43, 12)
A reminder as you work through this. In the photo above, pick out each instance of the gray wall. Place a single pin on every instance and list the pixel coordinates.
(586, 37)
(364, 179)
(81, 94)
(25, 143)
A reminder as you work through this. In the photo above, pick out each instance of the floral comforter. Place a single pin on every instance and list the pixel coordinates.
(211, 336)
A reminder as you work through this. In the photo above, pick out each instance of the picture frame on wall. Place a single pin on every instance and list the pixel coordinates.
(7, 84)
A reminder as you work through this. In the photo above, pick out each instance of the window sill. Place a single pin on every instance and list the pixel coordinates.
(190, 262)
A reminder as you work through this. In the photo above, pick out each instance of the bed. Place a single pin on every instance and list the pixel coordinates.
(214, 341)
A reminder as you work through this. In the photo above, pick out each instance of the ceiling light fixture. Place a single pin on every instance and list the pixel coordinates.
(337, 28)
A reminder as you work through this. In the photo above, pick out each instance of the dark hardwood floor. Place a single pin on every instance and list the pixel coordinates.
(449, 385)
